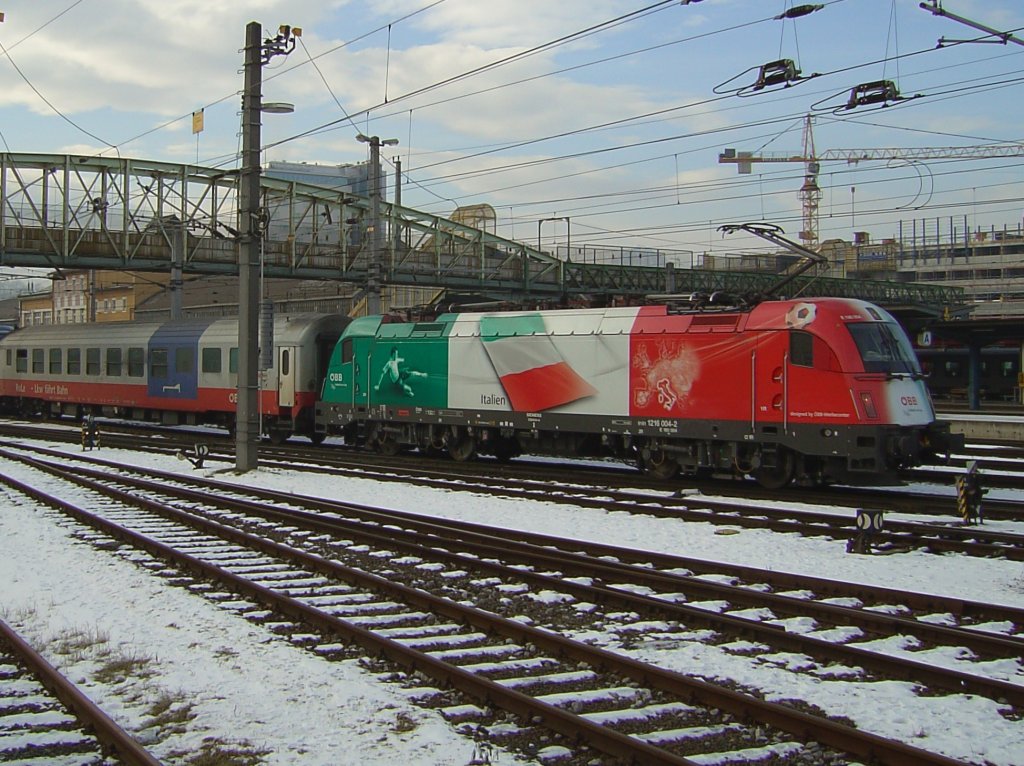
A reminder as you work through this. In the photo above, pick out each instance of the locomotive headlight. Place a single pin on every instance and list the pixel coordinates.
(827, 433)
(869, 404)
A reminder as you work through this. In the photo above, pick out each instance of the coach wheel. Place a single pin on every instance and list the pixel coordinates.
(317, 437)
(462, 447)
(778, 475)
(278, 437)
(658, 464)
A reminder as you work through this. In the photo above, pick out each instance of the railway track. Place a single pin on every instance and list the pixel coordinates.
(533, 565)
(46, 719)
(786, 515)
(997, 464)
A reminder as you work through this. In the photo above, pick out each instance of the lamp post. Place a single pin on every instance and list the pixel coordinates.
(373, 275)
(251, 230)
(568, 234)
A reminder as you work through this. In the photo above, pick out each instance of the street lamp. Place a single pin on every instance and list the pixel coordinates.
(251, 230)
(568, 234)
(373, 275)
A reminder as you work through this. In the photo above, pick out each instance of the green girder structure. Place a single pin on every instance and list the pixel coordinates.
(77, 212)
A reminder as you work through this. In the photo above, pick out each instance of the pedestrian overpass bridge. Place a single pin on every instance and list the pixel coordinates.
(63, 211)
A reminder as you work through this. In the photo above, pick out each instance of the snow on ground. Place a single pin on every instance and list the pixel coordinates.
(246, 685)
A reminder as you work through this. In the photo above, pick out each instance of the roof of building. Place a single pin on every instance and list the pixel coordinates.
(218, 295)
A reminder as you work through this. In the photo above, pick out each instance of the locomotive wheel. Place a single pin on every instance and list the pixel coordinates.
(277, 438)
(388, 446)
(777, 476)
(462, 447)
(660, 465)
(506, 449)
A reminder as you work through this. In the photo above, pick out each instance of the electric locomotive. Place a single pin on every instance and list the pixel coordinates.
(817, 390)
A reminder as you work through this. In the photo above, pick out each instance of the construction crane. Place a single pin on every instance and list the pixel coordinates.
(810, 192)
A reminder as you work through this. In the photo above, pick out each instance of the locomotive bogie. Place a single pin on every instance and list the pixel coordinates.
(812, 391)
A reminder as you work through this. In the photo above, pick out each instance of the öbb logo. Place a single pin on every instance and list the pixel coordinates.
(908, 401)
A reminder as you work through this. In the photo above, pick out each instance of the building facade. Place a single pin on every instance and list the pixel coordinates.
(90, 296)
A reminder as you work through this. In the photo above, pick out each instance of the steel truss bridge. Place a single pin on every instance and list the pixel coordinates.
(77, 212)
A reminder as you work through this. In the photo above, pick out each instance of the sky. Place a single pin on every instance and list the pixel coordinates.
(611, 114)
(247, 686)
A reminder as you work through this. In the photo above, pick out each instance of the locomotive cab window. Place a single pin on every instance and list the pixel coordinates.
(92, 361)
(884, 347)
(211, 360)
(801, 348)
(346, 351)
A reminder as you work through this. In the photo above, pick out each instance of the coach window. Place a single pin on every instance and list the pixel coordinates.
(21, 361)
(74, 361)
(114, 362)
(801, 348)
(184, 360)
(158, 363)
(92, 361)
(56, 361)
(136, 362)
(285, 365)
(211, 360)
(233, 361)
(38, 360)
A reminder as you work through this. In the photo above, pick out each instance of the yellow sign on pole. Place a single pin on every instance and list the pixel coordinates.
(197, 121)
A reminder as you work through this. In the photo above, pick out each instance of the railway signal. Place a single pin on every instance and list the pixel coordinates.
(869, 522)
(969, 493)
(196, 456)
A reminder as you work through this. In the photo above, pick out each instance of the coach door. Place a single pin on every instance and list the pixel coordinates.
(287, 371)
(173, 370)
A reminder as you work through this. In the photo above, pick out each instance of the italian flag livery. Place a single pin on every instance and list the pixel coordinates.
(533, 372)
(829, 377)
(637, 362)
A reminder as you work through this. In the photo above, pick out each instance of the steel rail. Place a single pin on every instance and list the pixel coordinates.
(780, 579)
(492, 546)
(112, 738)
(801, 725)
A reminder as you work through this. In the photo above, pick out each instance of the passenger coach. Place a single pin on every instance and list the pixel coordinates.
(179, 372)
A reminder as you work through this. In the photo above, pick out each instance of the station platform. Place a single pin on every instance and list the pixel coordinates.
(986, 426)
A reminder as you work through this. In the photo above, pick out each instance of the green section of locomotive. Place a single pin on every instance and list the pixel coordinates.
(389, 364)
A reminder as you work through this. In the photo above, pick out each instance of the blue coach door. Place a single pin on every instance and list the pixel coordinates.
(174, 360)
